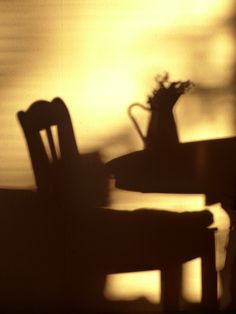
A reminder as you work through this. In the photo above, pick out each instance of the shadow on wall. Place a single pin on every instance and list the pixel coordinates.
(59, 242)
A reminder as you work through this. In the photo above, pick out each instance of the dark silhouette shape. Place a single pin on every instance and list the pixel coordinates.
(165, 165)
(78, 242)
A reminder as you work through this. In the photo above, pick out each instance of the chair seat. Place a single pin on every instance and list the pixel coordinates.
(143, 239)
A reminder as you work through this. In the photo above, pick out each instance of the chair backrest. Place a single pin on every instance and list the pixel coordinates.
(42, 116)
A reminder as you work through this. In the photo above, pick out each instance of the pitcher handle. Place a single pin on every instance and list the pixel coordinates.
(136, 125)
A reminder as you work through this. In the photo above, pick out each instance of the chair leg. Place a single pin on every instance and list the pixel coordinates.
(171, 287)
(209, 276)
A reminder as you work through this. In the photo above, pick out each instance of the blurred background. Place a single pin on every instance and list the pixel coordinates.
(100, 56)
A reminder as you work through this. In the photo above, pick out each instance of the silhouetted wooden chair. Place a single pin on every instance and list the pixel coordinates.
(117, 241)
(41, 116)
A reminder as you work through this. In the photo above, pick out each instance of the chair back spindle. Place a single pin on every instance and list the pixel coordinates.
(43, 116)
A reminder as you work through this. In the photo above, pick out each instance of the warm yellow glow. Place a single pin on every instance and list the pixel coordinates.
(192, 284)
(44, 138)
(214, 119)
(100, 56)
(133, 286)
(121, 284)
(121, 199)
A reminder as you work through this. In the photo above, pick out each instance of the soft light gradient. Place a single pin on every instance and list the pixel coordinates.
(100, 56)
